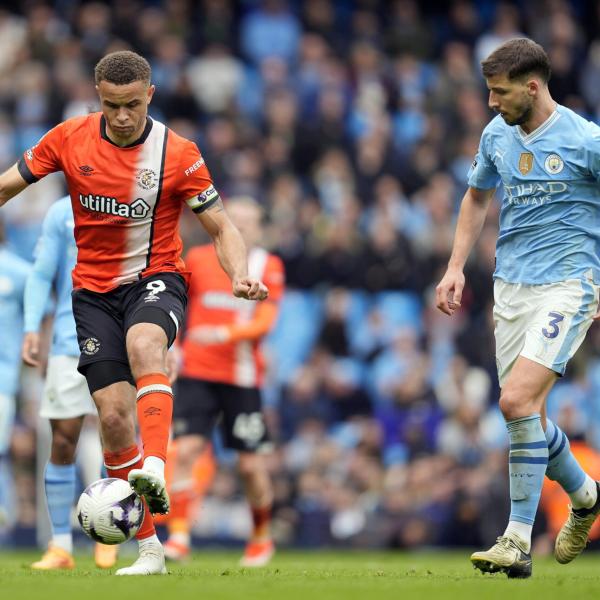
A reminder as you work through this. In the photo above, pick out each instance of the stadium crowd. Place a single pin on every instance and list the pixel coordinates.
(354, 125)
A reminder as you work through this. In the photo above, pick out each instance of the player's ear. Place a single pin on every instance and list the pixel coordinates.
(151, 89)
(533, 87)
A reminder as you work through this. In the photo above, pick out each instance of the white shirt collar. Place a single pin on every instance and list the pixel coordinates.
(527, 138)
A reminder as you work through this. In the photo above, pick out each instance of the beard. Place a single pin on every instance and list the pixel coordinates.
(523, 115)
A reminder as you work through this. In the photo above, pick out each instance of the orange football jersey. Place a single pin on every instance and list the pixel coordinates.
(237, 362)
(126, 200)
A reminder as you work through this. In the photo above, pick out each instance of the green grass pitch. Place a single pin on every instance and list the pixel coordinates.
(303, 576)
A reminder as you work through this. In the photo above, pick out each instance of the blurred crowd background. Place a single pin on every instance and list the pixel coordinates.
(354, 125)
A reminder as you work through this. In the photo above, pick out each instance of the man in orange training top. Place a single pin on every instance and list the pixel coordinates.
(221, 375)
(128, 177)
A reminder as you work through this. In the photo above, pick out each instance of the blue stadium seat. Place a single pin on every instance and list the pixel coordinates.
(358, 310)
(299, 323)
(400, 309)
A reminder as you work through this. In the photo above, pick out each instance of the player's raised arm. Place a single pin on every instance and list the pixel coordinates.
(11, 183)
(471, 217)
(231, 251)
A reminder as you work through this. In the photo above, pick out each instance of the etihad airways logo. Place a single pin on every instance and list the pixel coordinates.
(138, 209)
(534, 193)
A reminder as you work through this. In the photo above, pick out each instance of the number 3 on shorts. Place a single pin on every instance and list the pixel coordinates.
(552, 330)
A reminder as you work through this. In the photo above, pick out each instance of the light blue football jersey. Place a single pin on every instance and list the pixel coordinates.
(13, 274)
(55, 257)
(550, 214)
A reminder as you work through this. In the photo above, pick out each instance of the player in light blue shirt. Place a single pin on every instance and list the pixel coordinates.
(13, 274)
(66, 398)
(546, 290)
(55, 257)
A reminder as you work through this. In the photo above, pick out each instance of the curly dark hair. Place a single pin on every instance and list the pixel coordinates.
(517, 58)
(122, 67)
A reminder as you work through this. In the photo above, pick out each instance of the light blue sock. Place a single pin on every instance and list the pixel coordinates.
(8, 508)
(564, 468)
(60, 482)
(562, 465)
(528, 459)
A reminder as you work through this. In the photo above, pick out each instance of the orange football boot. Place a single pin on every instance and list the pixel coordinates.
(176, 551)
(258, 554)
(54, 558)
(105, 556)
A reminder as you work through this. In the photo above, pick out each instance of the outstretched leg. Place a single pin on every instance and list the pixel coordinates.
(259, 493)
(521, 401)
(60, 481)
(116, 403)
(147, 348)
(183, 496)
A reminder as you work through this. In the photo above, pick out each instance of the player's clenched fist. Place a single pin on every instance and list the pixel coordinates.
(448, 293)
(250, 288)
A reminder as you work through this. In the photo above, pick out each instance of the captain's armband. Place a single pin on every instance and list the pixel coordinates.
(203, 200)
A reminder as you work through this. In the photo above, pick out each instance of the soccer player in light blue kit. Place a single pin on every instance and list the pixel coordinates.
(13, 274)
(546, 283)
(66, 399)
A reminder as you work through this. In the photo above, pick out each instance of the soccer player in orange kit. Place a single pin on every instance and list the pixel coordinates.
(128, 177)
(221, 375)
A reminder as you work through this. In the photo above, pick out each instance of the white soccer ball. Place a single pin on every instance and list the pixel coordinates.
(109, 511)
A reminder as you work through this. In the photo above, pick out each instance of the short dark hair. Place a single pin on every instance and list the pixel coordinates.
(122, 67)
(517, 58)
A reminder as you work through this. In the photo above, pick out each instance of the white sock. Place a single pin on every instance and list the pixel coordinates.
(586, 495)
(155, 464)
(522, 531)
(149, 541)
(64, 541)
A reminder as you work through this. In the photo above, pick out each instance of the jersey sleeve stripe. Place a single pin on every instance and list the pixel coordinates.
(158, 195)
(25, 171)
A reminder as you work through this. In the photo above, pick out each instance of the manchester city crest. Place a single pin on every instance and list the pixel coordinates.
(553, 164)
(147, 179)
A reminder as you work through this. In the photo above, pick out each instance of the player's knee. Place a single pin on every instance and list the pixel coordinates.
(515, 404)
(249, 464)
(507, 403)
(146, 352)
(189, 449)
(116, 422)
(63, 448)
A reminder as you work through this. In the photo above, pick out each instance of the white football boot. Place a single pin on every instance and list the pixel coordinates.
(573, 536)
(507, 555)
(151, 561)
